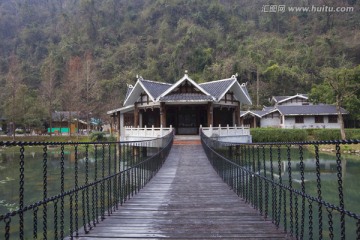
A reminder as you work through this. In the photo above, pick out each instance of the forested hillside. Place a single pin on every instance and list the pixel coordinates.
(78, 55)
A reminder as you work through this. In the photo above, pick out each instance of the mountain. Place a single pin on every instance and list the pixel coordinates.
(79, 55)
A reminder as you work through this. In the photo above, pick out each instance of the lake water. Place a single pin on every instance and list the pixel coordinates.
(9, 180)
(350, 170)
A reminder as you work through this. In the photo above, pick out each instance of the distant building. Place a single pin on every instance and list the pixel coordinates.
(3, 126)
(66, 122)
(296, 100)
(184, 105)
(293, 112)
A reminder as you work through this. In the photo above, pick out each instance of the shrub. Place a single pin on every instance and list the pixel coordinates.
(334, 134)
(111, 138)
(97, 137)
(278, 135)
(298, 135)
(19, 131)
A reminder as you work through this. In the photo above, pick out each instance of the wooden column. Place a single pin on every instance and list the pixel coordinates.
(237, 114)
(118, 126)
(136, 116)
(162, 115)
(210, 114)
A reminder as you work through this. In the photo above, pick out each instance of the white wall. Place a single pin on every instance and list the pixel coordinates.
(309, 122)
(270, 121)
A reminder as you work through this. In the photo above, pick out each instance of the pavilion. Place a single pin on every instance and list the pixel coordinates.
(184, 105)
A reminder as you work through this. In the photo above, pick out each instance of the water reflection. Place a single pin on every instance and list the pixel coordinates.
(328, 170)
(9, 174)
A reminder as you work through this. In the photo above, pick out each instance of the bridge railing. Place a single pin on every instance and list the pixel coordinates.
(287, 183)
(77, 187)
(145, 133)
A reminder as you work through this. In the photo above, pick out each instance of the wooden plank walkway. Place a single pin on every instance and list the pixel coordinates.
(185, 200)
(187, 140)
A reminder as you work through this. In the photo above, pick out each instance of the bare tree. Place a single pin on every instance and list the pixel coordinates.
(91, 91)
(13, 86)
(48, 87)
(71, 89)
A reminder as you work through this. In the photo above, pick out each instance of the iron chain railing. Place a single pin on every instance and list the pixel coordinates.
(93, 180)
(274, 175)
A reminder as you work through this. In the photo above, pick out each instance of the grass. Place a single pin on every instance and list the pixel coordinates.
(45, 138)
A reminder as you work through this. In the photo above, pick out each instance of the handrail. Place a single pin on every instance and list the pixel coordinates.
(225, 131)
(118, 171)
(263, 175)
(145, 132)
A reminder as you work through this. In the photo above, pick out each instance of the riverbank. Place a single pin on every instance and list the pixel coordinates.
(346, 149)
(44, 138)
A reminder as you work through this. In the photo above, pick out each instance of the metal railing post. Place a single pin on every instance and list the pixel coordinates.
(251, 175)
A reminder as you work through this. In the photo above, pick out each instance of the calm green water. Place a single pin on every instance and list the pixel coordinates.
(350, 170)
(9, 183)
(33, 183)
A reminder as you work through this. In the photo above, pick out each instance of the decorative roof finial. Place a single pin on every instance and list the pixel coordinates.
(186, 72)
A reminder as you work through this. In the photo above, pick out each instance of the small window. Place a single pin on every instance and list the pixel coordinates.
(333, 119)
(299, 119)
(319, 119)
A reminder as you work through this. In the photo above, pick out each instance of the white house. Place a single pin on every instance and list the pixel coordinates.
(296, 100)
(293, 112)
(184, 105)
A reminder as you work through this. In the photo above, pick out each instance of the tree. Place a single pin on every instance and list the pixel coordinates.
(284, 80)
(14, 91)
(48, 86)
(91, 90)
(340, 86)
(33, 111)
(71, 87)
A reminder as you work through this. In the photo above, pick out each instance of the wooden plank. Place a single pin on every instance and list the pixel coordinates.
(185, 200)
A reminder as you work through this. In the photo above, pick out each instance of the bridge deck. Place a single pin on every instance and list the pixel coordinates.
(185, 200)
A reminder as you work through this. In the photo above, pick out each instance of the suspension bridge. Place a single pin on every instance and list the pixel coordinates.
(155, 189)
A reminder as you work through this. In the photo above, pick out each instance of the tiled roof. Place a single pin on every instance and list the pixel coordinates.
(128, 91)
(184, 79)
(217, 88)
(267, 109)
(253, 112)
(259, 112)
(322, 109)
(165, 92)
(186, 97)
(155, 88)
(244, 88)
(282, 98)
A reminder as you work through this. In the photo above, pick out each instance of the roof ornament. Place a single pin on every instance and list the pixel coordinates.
(138, 77)
(186, 72)
(235, 76)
